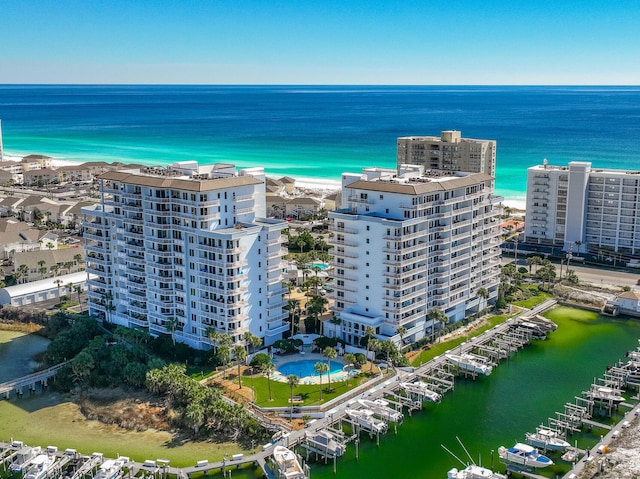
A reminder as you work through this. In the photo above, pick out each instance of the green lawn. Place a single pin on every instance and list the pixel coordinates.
(440, 348)
(310, 393)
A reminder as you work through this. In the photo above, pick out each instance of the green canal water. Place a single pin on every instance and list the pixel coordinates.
(520, 394)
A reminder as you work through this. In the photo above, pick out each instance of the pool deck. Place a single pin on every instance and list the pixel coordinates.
(314, 379)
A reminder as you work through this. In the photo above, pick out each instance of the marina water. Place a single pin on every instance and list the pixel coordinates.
(319, 132)
(521, 393)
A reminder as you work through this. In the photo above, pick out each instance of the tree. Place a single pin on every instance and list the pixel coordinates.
(194, 415)
(42, 268)
(252, 340)
(374, 344)
(401, 331)
(571, 276)
(369, 332)
(292, 307)
(329, 353)
(320, 369)
(171, 324)
(240, 354)
(436, 316)
(82, 365)
(224, 356)
(292, 381)
(58, 283)
(108, 304)
(268, 371)
(483, 293)
(78, 258)
(78, 289)
(547, 272)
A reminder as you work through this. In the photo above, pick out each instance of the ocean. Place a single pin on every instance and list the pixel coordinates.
(315, 133)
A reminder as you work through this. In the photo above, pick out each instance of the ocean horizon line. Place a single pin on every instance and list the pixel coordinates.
(354, 85)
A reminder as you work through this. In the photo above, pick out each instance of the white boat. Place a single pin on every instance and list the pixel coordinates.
(382, 409)
(468, 362)
(546, 439)
(421, 388)
(604, 394)
(525, 455)
(325, 441)
(111, 468)
(40, 466)
(474, 472)
(24, 456)
(288, 463)
(366, 420)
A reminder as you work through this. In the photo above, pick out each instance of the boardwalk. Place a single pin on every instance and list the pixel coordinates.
(30, 380)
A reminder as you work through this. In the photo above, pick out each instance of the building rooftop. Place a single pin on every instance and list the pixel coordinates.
(428, 183)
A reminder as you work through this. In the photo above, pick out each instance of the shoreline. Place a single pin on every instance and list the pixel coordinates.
(318, 186)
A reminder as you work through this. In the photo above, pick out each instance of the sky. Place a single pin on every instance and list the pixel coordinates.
(401, 42)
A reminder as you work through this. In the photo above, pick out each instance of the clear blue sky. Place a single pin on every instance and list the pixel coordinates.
(320, 41)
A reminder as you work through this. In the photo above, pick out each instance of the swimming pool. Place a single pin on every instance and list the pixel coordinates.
(305, 367)
(320, 265)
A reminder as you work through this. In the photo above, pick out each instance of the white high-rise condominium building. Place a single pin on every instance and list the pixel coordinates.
(582, 209)
(448, 152)
(186, 250)
(408, 241)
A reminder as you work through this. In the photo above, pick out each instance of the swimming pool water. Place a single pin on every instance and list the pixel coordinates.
(320, 265)
(304, 367)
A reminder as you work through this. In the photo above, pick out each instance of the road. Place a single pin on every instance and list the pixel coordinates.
(593, 275)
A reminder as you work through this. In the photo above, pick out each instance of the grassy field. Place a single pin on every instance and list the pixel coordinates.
(53, 419)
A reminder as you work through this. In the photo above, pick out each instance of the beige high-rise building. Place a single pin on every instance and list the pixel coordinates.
(448, 152)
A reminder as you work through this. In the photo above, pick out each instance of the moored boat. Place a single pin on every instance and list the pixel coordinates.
(23, 458)
(326, 442)
(382, 409)
(40, 466)
(546, 439)
(111, 468)
(467, 362)
(288, 464)
(422, 389)
(366, 420)
(604, 394)
(474, 472)
(525, 455)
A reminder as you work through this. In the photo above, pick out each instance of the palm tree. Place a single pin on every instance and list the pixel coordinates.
(58, 283)
(241, 355)
(329, 353)
(78, 289)
(268, 370)
(42, 268)
(171, 324)
(292, 381)
(401, 331)
(252, 340)
(320, 369)
(292, 307)
(436, 316)
(483, 293)
(78, 258)
(374, 344)
(369, 332)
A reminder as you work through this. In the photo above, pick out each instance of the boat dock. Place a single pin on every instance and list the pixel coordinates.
(437, 376)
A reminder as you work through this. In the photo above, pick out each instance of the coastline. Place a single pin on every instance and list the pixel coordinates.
(319, 187)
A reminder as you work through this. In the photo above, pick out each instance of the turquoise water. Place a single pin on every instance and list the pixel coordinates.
(319, 132)
(305, 367)
(320, 265)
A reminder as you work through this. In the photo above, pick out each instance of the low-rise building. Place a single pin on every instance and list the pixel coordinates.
(47, 289)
